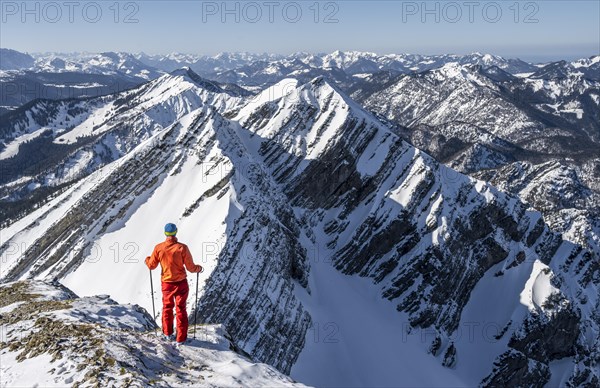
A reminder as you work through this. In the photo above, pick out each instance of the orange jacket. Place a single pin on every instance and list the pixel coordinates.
(172, 256)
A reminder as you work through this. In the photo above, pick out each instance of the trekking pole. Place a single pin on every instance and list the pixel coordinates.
(153, 308)
(196, 305)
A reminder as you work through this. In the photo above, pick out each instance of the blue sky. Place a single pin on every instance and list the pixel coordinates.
(527, 29)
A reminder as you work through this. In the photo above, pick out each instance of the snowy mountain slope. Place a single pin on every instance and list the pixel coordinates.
(586, 67)
(379, 208)
(572, 99)
(453, 93)
(484, 122)
(80, 135)
(469, 103)
(51, 337)
(306, 209)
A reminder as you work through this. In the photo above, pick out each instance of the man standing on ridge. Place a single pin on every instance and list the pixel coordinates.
(173, 256)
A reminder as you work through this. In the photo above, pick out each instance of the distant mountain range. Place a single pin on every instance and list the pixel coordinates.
(44, 75)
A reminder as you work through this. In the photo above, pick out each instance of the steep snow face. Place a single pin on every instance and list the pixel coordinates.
(51, 337)
(358, 339)
(306, 211)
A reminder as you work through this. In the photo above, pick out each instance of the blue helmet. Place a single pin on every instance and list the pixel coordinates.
(170, 229)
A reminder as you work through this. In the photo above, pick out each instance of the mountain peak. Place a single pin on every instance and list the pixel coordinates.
(321, 86)
(182, 71)
(451, 69)
(190, 75)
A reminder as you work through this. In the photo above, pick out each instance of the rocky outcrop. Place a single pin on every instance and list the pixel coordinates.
(94, 341)
(514, 369)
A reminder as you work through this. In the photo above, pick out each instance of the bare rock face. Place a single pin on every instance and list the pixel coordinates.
(513, 368)
(540, 341)
(551, 340)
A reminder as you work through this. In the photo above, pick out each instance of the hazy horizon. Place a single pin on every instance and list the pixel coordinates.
(527, 58)
(533, 31)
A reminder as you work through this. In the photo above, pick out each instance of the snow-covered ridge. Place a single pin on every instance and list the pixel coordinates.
(146, 110)
(162, 102)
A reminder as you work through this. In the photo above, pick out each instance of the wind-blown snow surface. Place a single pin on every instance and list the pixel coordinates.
(52, 338)
(330, 244)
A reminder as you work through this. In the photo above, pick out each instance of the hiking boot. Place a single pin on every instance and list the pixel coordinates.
(182, 343)
(169, 337)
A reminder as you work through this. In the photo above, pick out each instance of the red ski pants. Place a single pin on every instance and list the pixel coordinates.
(175, 295)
